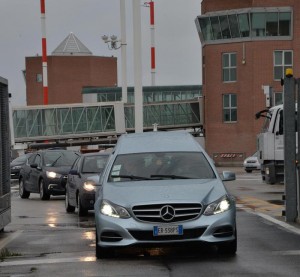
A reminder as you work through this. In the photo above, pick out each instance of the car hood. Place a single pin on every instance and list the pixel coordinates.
(60, 169)
(16, 163)
(167, 191)
(92, 176)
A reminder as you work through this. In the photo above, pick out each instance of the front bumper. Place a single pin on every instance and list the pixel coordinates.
(116, 232)
(14, 174)
(56, 186)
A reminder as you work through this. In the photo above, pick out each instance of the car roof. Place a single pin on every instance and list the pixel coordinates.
(57, 150)
(96, 154)
(147, 142)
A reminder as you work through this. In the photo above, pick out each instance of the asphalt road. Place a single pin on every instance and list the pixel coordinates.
(42, 240)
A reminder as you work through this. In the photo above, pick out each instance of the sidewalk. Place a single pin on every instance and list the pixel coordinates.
(255, 196)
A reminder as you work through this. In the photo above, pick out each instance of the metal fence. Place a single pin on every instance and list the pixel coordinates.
(5, 197)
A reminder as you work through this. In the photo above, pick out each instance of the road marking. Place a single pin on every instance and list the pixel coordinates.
(248, 179)
(10, 238)
(49, 261)
(288, 252)
(270, 218)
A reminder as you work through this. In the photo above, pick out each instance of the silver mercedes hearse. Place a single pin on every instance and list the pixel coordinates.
(162, 188)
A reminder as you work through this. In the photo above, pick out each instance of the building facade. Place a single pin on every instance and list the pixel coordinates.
(246, 47)
(70, 68)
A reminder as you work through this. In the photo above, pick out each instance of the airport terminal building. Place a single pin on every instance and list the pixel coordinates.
(246, 47)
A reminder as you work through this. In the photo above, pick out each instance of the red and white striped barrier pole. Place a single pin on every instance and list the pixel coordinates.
(152, 28)
(44, 53)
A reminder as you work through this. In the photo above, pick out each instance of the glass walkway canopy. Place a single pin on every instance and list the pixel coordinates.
(170, 107)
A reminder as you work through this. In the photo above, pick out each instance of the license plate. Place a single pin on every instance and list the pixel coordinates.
(167, 230)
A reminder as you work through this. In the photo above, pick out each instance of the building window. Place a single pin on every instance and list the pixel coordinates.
(278, 98)
(229, 67)
(258, 24)
(272, 25)
(229, 108)
(283, 59)
(39, 78)
(255, 24)
(244, 24)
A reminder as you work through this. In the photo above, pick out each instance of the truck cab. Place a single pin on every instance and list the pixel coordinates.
(271, 145)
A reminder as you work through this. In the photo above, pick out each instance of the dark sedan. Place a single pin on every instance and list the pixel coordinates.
(45, 172)
(81, 182)
(16, 164)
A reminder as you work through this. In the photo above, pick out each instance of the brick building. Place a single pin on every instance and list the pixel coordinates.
(246, 44)
(71, 67)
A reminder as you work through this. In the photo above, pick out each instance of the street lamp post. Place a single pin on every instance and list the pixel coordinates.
(113, 44)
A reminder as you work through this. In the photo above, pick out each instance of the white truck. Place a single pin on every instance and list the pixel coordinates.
(271, 145)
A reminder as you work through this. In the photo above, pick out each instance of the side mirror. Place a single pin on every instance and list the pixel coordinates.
(228, 176)
(73, 172)
(34, 165)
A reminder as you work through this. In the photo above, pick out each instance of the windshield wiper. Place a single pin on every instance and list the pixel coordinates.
(132, 177)
(169, 176)
(55, 161)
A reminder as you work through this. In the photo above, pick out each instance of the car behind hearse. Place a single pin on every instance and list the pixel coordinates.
(45, 172)
(162, 188)
(82, 181)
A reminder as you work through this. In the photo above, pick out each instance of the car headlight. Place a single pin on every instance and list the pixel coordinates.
(113, 210)
(16, 167)
(53, 175)
(221, 205)
(89, 185)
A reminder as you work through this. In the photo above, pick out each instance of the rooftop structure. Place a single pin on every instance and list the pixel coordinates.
(71, 45)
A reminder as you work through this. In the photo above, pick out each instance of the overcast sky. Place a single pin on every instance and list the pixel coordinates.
(178, 48)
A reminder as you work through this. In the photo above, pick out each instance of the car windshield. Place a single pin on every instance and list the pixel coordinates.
(161, 165)
(60, 158)
(94, 164)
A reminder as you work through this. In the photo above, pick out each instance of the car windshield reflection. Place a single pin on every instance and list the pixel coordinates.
(159, 166)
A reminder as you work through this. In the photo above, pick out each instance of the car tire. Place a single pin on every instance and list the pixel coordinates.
(103, 253)
(69, 208)
(24, 194)
(248, 170)
(44, 195)
(82, 211)
(228, 248)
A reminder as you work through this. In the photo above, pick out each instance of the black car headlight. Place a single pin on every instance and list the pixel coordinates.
(53, 175)
(221, 205)
(113, 210)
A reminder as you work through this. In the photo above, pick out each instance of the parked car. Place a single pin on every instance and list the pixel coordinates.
(16, 165)
(45, 172)
(159, 188)
(82, 180)
(252, 163)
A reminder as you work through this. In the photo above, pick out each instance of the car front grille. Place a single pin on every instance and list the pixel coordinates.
(148, 235)
(178, 212)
